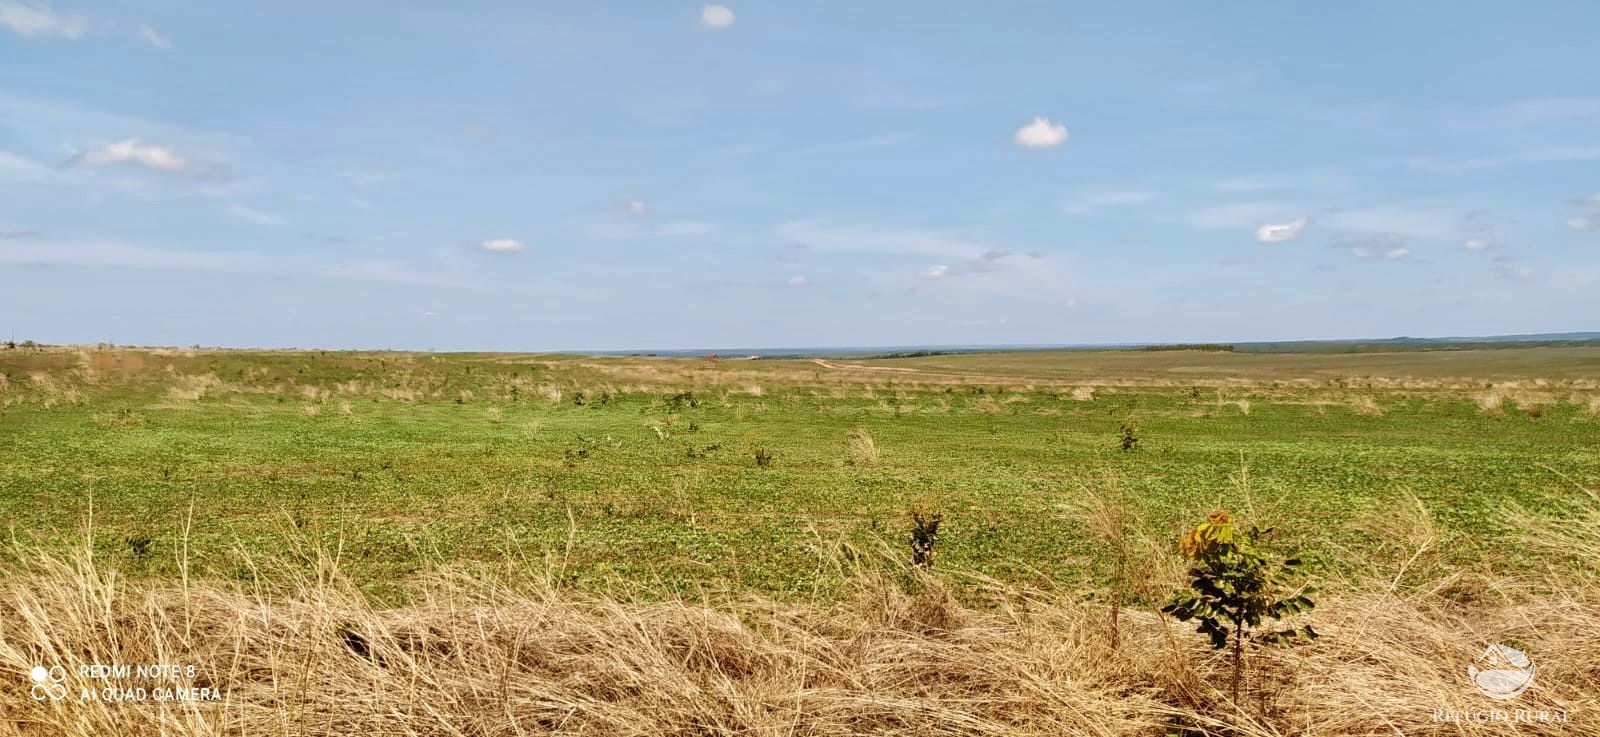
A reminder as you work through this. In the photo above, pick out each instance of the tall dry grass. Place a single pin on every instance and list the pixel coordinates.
(298, 650)
(863, 450)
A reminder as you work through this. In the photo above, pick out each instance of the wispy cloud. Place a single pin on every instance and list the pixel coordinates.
(1395, 219)
(1383, 247)
(151, 37)
(253, 215)
(1041, 133)
(1591, 219)
(37, 20)
(858, 144)
(1088, 202)
(1280, 232)
(503, 245)
(638, 228)
(120, 255)
(140, 153)
(1532, 112)
(1518, 158)
(864, 239)
(394, 273)
(1236, 215)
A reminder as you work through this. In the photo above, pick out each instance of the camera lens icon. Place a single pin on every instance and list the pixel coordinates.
(47, 682)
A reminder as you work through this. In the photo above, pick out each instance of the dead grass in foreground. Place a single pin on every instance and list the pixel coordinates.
(478, 655)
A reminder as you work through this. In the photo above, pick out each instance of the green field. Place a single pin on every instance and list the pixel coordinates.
(644, 471)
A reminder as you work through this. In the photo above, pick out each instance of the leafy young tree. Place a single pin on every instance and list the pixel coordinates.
(1234, 587)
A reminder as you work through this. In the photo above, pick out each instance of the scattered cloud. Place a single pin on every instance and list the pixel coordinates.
(1041, 133)
(1475, 244)
(716, 17)
(637, 208)
(503, 245)
(21, 234)
(1280, 232)
(154, 39)
(798, 281)
(1087, 203)
(253, 215)
(939, 271)
(479, 131)
(148, 155)
(1583, 224)
(37, 20)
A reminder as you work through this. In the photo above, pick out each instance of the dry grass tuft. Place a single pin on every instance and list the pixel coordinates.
(863, 449)
(1365, 405)
(1491, 401)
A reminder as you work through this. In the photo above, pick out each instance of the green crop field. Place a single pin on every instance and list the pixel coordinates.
(645, 471)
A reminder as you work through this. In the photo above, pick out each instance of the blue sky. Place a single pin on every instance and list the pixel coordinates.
(536, 176)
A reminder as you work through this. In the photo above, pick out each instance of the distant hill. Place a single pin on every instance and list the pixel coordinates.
(1407, 343)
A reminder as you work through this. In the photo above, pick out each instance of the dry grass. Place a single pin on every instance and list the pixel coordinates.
(298, 651)
(1365, 405)
(863, 449)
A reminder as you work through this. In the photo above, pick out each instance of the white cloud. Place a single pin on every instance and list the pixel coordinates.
(1582, 223)
(1084, 204)
(939, 271)
(1041, 133)
(1395, 254)
(637, 208)
(1280, 232)
(716, 16)
(798, 281)
(134, 151)
(1476, 244)
(35, 20)
(503, 245)
(154, 39)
